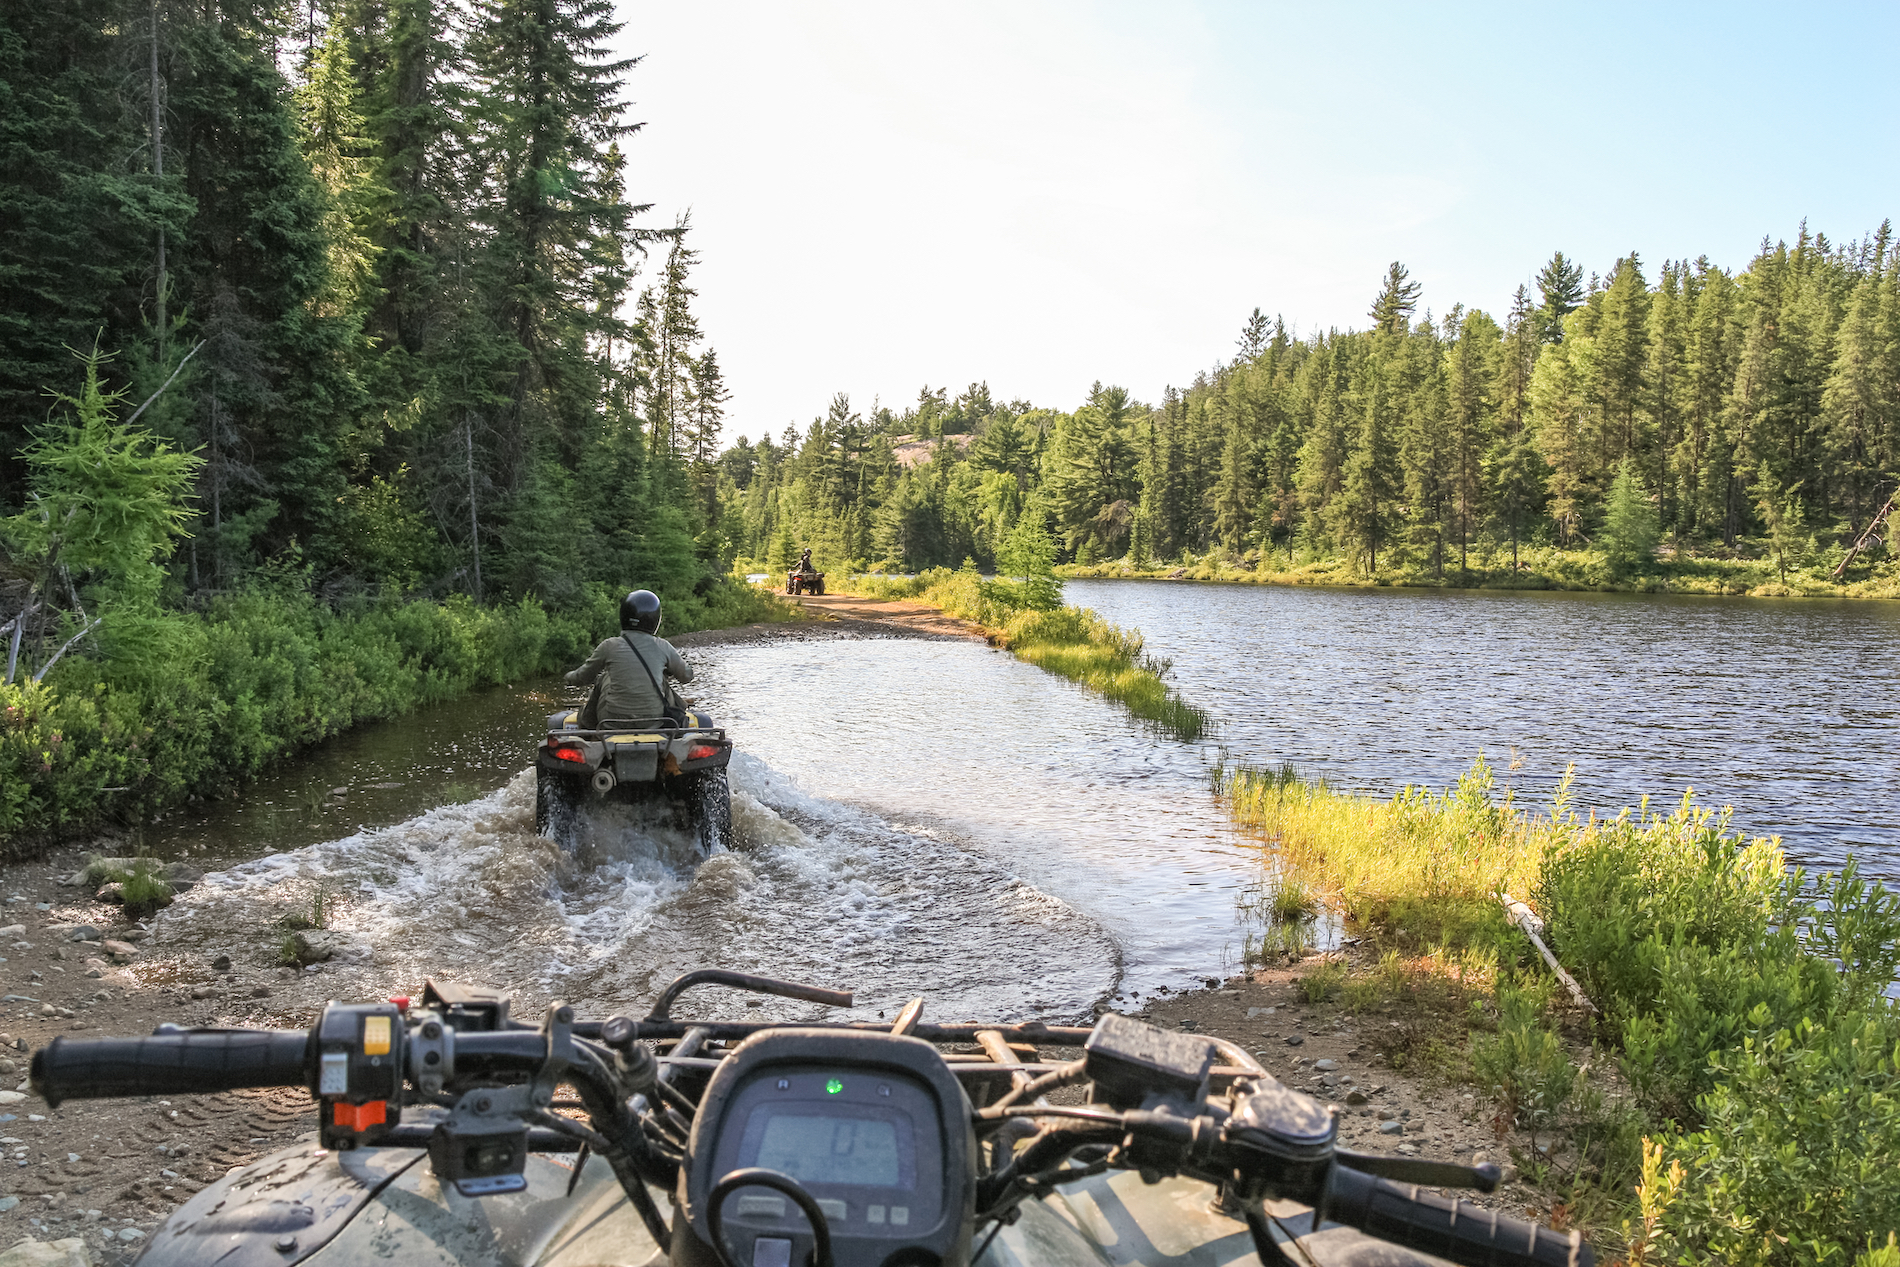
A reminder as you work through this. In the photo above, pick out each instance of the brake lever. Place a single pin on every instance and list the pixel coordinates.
(1420, 1170)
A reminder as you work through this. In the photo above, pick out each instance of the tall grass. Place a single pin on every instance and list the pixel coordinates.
(1072, 642)
(1422, 868)
(1745, 1001)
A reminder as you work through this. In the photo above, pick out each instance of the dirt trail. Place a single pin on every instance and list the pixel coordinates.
(845, 616)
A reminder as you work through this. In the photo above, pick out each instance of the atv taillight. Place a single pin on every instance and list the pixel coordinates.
(700, 751)
(571, 754)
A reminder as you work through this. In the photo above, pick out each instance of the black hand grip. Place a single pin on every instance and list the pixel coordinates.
(1464, 1233)
(183, 1062)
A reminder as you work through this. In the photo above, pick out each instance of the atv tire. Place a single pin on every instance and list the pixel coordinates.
(712, 811)
(557, 798)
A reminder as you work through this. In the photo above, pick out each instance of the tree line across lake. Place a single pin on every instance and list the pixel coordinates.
(1702, 411)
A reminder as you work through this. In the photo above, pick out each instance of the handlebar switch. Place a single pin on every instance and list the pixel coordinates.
(1293, 1134)
(431, 1054)
(360, 1050)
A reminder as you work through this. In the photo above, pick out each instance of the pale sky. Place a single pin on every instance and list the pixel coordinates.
(1041, 195)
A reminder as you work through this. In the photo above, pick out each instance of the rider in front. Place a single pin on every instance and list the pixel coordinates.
(637, 664)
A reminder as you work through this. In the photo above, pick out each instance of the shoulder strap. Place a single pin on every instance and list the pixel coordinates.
(657, 688)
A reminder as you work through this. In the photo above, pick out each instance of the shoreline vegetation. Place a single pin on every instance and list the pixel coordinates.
(1538, 568)
(190, 704)
(1733, 1099)
(1026, 618)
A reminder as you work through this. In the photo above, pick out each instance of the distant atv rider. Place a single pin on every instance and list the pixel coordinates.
(804, 561)
(637, 665)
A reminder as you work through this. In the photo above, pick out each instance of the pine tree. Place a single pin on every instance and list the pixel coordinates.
(549, 107)
(1254, 336)
(1630, 527)
(1560, 289)
(1398, 298)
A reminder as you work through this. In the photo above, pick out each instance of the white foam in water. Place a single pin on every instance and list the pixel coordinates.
(814, 891)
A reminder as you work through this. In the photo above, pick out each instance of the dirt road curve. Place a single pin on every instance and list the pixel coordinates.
(845, 616)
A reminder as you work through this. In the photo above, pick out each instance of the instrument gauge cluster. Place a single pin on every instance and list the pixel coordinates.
(877, 1132)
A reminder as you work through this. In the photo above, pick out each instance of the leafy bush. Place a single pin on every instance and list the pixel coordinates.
(193, 702)
(1794, 1161)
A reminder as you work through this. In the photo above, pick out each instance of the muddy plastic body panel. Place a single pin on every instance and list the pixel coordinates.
(384, 1206)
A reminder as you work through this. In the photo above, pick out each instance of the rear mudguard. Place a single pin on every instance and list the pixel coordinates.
(384, 1206)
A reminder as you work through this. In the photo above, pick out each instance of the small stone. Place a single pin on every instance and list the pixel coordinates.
(112, 894)
(1410, 1150)
(47, 1009)
(1390, 1128)
(11, 1097)
(97, 968)
(312, 946)
(260, 992)
(1355, 1098)
(339, 791)
(73, 1158)
(84, 932)
(1509, 1174)
(7, 1203)
(134, 934)
(130, 1234)
(121, 952)
(1325, 1066)
(1388, 1115)
(202, 992)
(13, 930)
(1294, 1040)
(221, 964)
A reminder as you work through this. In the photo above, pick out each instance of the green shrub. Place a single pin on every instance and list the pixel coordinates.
(1794, 1162)
(1524, 1064)
(185, 702)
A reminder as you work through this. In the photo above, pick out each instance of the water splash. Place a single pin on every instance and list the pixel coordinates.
(814, 891)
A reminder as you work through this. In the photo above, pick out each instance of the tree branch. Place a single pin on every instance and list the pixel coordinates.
(83, 631)
(161, 391)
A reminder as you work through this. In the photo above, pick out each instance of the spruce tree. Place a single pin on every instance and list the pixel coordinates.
(1560, 290)
(1630, 528)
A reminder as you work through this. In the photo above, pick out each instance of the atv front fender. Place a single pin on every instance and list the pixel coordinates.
(382, 1205)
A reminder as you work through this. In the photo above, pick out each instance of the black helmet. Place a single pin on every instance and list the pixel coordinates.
(641, 610)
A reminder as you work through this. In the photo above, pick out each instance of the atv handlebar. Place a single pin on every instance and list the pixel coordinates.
(1452, 1229)
(179, 1061)
(172, 1061)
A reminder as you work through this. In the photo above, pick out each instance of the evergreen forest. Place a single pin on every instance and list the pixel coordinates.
(1641, 418)
(339, 371)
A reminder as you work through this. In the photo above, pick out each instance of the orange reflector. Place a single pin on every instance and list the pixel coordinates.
(701, 751)
(376, 1036)
(359, 1117)
(570, 754)
(400, 1000)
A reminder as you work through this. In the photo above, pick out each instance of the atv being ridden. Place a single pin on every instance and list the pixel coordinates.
(807, 581)
(679, 769)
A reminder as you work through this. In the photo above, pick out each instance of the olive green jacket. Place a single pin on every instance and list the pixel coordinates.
(627, 694)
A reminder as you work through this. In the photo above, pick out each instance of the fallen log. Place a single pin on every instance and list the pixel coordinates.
(1527, 919)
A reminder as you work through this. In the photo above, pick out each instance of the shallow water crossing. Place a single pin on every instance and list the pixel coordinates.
(911, 818)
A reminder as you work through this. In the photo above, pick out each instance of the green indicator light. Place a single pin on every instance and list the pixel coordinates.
(833, 1086)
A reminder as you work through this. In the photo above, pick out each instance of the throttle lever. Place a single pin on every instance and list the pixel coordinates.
(1420, 1170)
